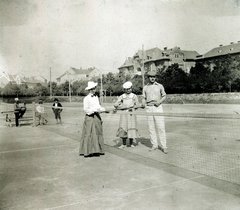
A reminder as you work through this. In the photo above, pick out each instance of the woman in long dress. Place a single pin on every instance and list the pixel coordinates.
(92, 142)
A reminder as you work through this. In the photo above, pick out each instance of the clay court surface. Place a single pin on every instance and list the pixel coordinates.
(40, 167)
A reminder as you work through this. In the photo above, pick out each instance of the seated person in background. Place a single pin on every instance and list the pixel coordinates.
(18, 111)
(22, 110)
(40, 114)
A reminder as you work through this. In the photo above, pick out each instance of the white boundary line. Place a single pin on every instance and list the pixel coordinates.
(40, 148)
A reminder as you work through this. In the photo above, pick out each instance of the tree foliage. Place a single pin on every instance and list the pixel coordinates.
(218, 75)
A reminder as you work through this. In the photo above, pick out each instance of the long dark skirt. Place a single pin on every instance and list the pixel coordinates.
(92, 141)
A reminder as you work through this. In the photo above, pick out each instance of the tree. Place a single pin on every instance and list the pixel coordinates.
(221, 75)
(54, 88)
(41, 90)
(24, 89)
(200, 79)
(174, 79)
(11, 90)
(137, 84)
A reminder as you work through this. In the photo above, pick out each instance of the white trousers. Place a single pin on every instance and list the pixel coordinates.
(156, 126)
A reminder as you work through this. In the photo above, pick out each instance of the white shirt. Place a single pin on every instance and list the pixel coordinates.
(91, 104)
(40, 108)
(153, 92)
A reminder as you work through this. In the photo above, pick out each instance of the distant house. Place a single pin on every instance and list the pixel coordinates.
(74, 74)
(32, 81)
(156, 58)
(5, 78)
(209, 58)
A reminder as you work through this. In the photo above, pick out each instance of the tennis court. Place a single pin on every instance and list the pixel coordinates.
(41, 169)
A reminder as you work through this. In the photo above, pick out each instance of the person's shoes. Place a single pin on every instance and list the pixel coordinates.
(152, 149)
(132, 146)
(122, 146)
(164, 150)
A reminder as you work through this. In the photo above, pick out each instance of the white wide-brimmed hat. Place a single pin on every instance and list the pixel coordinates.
(127, 85)
(16, 99)
(91, 85)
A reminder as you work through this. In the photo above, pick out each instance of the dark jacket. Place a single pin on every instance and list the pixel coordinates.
(58, 105)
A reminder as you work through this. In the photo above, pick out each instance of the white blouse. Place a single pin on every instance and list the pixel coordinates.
(91, 104)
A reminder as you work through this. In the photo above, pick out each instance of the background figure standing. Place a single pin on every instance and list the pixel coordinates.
(153, 97)
(40, 114)
(18, 111)
(57, 111)
(128, 122)
(92, 142)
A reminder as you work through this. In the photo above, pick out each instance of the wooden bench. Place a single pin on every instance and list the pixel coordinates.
(7, 110)
(29, 118)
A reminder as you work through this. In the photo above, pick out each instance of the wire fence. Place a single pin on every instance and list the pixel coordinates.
(206, 143)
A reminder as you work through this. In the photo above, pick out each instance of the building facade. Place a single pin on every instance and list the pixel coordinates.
(74, 74)
(157, 59)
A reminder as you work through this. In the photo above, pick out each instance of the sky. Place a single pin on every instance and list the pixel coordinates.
(39, 36)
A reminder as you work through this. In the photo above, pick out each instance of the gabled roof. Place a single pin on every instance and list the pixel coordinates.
(187, 54)
(78, 71)
(32, 80)
(152, 53)
(174, 50)
(127, 63)
(222, 50)
(81, 71)
(190, 55)
(19, 79)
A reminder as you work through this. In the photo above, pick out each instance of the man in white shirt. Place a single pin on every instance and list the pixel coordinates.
(153, 97)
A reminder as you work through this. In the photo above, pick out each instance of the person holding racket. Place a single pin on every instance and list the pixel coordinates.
(92, 142)
(128, 122)
(57, 110)
(153, 96)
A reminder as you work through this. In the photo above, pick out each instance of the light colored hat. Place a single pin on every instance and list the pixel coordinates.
(127, 85)
(16, 99)
(91, 85)
(151, 73)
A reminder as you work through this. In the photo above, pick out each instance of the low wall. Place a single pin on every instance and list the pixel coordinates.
(202, 98)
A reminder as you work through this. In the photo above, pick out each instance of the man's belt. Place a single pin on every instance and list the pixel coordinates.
(150, 104)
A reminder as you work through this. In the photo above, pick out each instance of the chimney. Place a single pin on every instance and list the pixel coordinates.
(220, 45)
(165, 48)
